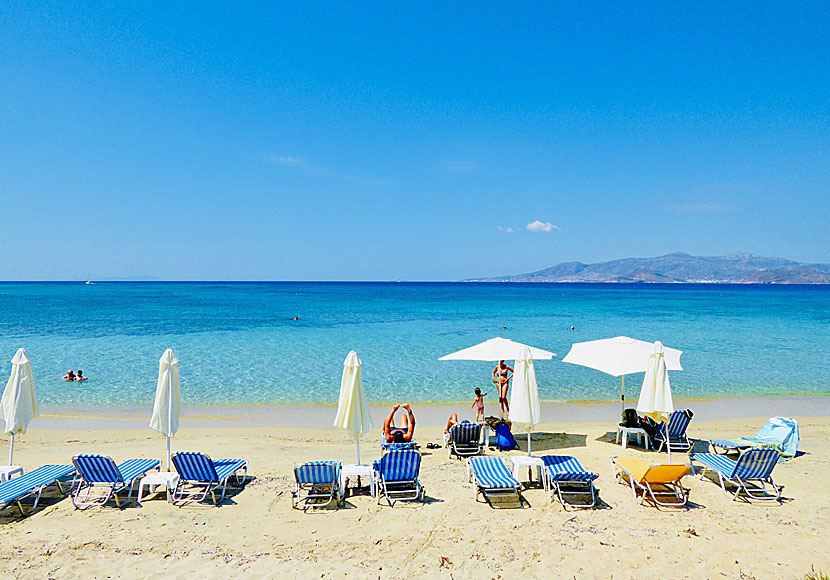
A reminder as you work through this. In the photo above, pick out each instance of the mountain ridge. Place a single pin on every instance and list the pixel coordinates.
(680, 267)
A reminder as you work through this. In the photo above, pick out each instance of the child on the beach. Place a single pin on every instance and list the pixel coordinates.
(478, 405)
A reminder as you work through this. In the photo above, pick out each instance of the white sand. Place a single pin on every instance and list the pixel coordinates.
(256, 534)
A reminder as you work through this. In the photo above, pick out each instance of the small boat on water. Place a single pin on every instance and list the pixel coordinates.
(89, 282)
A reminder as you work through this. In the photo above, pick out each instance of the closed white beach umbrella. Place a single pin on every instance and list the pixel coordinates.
(655, 396)
(168, 405)
(620, 356)
(352, 409)
(525, 411)
(19, 401)
(497, 349)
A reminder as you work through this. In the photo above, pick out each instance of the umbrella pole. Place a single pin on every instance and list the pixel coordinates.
(11, 449)
(528, 442)
(357, 445)
(168, 453)
(622, 398)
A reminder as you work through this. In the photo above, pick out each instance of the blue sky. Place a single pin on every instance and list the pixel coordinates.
(417, 141)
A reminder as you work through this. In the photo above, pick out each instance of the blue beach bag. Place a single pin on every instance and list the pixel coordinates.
(504, 438)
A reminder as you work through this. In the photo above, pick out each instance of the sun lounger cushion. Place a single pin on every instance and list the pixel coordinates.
(565, 468)
(19, 487)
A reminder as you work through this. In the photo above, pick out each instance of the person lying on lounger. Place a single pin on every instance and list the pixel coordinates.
(403, 434)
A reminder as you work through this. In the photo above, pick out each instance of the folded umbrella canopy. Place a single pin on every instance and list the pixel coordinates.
(620, 356)
(168, 405)
(19, 400)
(655, 396)
(525, 411)
(352, 409)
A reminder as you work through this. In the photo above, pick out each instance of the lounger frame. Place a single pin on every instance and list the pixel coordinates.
(464, 440)
(321, 482)
(673, 490)
(35, 489)
(395, 488)
(572, 480)
(100, 479)
(199, 477)
(753, 465)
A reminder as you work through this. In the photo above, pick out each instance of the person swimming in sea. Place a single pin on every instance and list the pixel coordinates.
(478, 405)
(80, 376)
(69, 376)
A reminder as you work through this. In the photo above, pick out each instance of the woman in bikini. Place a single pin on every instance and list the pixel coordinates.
(501, 376)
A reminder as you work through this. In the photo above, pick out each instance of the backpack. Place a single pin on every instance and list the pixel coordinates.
(504, 438)
(630, 418)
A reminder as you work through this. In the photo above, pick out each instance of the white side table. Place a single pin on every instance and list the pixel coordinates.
(530, 462)
(166, 478)
(355, 470)
(625, 433)
(8, 471)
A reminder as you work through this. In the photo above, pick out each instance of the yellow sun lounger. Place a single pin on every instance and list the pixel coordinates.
(661, 482)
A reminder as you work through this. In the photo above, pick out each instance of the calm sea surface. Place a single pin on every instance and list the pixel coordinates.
(237, 342)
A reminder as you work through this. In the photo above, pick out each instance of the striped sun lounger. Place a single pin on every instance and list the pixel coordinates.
(33, 483)
(754, 465)
(491, 478)
(464, 440)
(99, 472)
(320, 480)
(397, 476)
(199, 476)
(678, 423)
(566, 476)
(387, 447)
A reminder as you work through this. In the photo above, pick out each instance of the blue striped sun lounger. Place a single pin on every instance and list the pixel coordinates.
(397, 476)
(491, 478)
(464, 440)
(406, 445)
(754, 465)
(320, 480)
(566, 476)
(33, 483)
(101, 479)
(678, 423)
(199, 476)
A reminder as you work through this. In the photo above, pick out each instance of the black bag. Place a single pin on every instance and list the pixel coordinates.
(630, 418)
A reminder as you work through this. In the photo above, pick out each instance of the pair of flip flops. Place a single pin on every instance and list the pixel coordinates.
(433, 446)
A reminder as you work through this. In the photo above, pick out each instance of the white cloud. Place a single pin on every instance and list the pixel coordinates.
(508, 230)
(287, 160)
(537, 226)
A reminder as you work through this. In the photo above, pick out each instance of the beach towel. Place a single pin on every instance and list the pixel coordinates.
(504, 438)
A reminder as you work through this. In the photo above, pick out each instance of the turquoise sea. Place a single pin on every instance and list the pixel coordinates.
(237, 342)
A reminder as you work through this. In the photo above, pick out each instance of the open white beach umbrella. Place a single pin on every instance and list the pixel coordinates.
(655, 396)
(497, 349)
(352, 409)
(168, 405)
(525, 411)
(620, 356)
(19, 401)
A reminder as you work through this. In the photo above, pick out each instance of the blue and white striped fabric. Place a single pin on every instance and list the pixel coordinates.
(195, 466)
(678, 423)
(492, 473)
(226, 467)
(97, 469)
(400, 466)
(397, 446)
(465, 433)
(19, 487)
(566, 468)
(133, 468)
(753, 464)
(317, 472)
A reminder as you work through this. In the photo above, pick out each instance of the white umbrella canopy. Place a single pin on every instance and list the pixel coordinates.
(620, 356)
(525, 411)
(168, 405)
(497, 349)
(655, 396)
(19, 402)
(353, 409)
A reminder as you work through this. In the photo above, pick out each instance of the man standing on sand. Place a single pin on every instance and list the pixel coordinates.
(399, 434)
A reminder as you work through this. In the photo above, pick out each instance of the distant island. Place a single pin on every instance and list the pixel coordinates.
(681, 268)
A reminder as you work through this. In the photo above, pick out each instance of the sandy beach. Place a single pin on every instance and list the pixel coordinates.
(256, 533)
